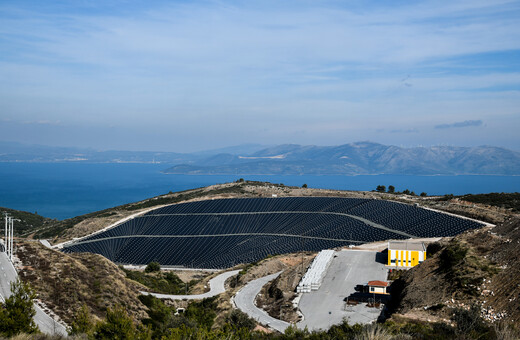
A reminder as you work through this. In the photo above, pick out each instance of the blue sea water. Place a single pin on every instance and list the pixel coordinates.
(63, 190)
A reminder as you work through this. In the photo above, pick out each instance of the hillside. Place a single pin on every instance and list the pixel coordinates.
(493, 211)
(65, 282)
(357, 159)
(27, 222)
(479, 267)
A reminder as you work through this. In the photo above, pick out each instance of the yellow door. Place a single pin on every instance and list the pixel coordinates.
(415, 258)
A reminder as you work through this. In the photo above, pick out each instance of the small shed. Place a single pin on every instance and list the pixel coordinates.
(377, 287)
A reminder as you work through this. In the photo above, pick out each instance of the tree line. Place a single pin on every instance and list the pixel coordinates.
(391, 190)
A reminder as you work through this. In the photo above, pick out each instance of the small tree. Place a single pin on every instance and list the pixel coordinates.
(17, 312)
(240, 319)
(82, 323)
(153, 267)
(406, 192)
(391, 189)
(118, 325)
(381, 188)
(423, 194)
(304, 186)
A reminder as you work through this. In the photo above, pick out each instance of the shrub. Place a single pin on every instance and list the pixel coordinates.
(433, 248)
(240, 319)
(452, 255)
(152, 267)
(17, 312)
(82, 323)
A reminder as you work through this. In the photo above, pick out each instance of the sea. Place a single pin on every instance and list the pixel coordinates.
(64, 190)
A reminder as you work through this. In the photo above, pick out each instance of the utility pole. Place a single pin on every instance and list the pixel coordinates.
(12, 236)
(9, 236)
(6, 246)
(11, 239)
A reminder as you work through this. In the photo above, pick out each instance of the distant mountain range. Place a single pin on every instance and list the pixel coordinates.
(361, 158)
(18, 152)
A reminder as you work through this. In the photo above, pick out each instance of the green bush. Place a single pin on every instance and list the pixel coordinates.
(433, 248)
(17, 312)
(239, 319)
(160, 282)
(152, 267)
(203, 312)
(452, 255)
(82, 323)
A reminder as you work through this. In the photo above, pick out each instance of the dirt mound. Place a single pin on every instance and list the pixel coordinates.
(276, 297)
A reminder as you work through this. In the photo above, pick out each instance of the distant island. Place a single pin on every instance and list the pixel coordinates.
(360, 158)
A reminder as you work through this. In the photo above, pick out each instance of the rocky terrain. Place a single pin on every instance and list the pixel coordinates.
(480, 267)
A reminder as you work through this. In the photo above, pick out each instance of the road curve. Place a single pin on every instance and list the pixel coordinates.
(245, 301)
(45, 323)
(216, 286)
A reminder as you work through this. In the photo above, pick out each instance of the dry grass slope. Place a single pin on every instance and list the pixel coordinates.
(478, 267)
(67, 281)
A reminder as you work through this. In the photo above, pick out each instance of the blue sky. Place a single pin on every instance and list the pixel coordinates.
(192, 75)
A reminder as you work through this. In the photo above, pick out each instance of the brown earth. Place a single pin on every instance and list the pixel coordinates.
(277, 296)
(488, 275)
(64, 282)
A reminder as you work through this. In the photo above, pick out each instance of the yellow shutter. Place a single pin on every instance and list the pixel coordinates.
(415, 258)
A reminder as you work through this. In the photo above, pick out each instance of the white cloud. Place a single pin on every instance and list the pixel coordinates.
(320, 67)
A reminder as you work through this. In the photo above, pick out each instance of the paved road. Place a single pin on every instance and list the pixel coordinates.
(43, 321)
(325, 307)
(245, 301)
(216, 286)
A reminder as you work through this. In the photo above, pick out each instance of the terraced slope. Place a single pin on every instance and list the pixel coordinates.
(222, 233)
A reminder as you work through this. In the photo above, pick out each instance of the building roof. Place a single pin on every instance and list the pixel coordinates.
(406, 245)
(378, 283)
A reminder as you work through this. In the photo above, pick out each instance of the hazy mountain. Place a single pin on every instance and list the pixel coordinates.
(291, 159)
(242, 149)
(18, 152)
(359, 158)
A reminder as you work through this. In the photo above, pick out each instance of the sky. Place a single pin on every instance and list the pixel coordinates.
(192, 75)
